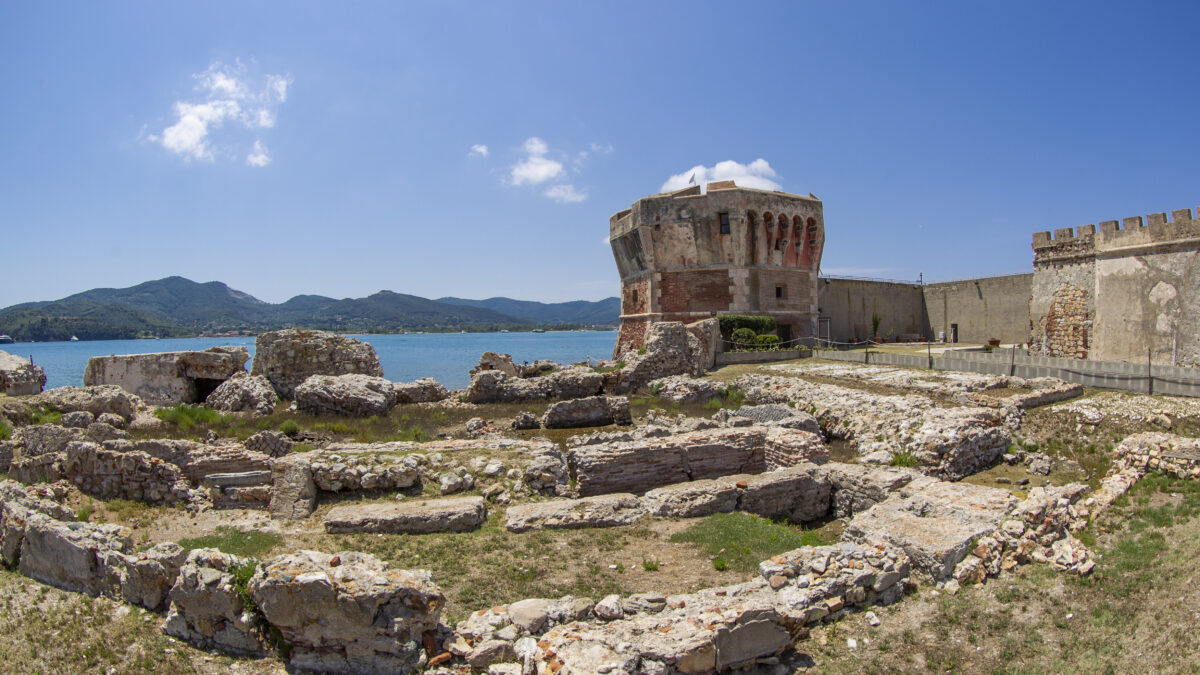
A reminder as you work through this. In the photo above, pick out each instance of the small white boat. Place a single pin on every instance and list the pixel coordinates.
(6, 340)
(74, 339)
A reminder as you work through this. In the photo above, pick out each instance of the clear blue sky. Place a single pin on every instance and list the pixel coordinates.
(289, 148)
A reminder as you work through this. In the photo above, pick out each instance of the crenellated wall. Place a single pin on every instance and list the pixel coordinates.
(1125, 291)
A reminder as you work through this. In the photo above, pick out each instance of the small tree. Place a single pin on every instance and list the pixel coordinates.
(874, 324)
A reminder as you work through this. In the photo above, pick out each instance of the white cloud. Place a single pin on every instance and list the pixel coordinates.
(478, 150)
(535, 168)
(756, 174)
(565, 194)
(601, 148)
(258, 156)
(224, 94)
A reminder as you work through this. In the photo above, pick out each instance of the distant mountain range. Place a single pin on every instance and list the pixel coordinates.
(178, 307)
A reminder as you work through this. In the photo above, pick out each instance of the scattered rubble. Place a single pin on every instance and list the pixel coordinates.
(244, 392)
(424, 390)
(348, 395)
(593, 411)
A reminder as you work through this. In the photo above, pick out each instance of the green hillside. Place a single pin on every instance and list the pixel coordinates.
(179, 307)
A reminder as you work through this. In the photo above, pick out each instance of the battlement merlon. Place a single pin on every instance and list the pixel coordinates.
(1155, 230)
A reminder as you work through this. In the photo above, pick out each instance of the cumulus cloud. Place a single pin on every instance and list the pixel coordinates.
(535, 168)
(224, 96)
(478, 150)
(258, 155)
(756, 174)
(601, 148)
(565, 194)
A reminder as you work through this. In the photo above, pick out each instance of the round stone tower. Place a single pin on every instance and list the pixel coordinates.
(686, 256)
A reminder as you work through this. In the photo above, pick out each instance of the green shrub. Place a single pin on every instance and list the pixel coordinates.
(719, 564)
(744, 338)
(904, 458)
(767, 342)
(289, 427)
(641, 350)
(758, 324)
(5, 431)
(650, 565)
(875, 324)
(187, 416)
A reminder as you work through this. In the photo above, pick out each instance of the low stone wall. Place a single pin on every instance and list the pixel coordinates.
(1154, 451)
(732, 358)
(126, 475)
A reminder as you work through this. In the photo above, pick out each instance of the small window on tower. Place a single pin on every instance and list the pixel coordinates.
(635, 296)
(781, 291)
(724, 218)
(780, 244)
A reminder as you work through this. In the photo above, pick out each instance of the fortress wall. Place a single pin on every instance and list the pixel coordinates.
(1147, 288)
(985, 308)
(851, 302)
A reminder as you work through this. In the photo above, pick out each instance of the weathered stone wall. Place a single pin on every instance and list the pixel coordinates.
(168, 378)
(984, 308)
(1062, 307)
(1148, 291)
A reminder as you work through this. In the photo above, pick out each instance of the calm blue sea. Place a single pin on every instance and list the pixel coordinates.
(445, 357)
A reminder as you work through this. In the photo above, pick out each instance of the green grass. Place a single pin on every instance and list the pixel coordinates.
(85, 511)
(247, 544)
(741, 540)
(5, 431)
(186, 416)
(289, 427)
(650, 565)
(43, 415)
(903, 458)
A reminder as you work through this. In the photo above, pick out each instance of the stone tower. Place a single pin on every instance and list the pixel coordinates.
(686, 256)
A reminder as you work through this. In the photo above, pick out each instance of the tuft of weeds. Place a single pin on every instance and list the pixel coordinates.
(85, 511)
(5, 431)
(650, 565)
(903, 458)
(185, 416)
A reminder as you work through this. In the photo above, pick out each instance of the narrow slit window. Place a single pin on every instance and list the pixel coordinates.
(781, 291)
(724, 218)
